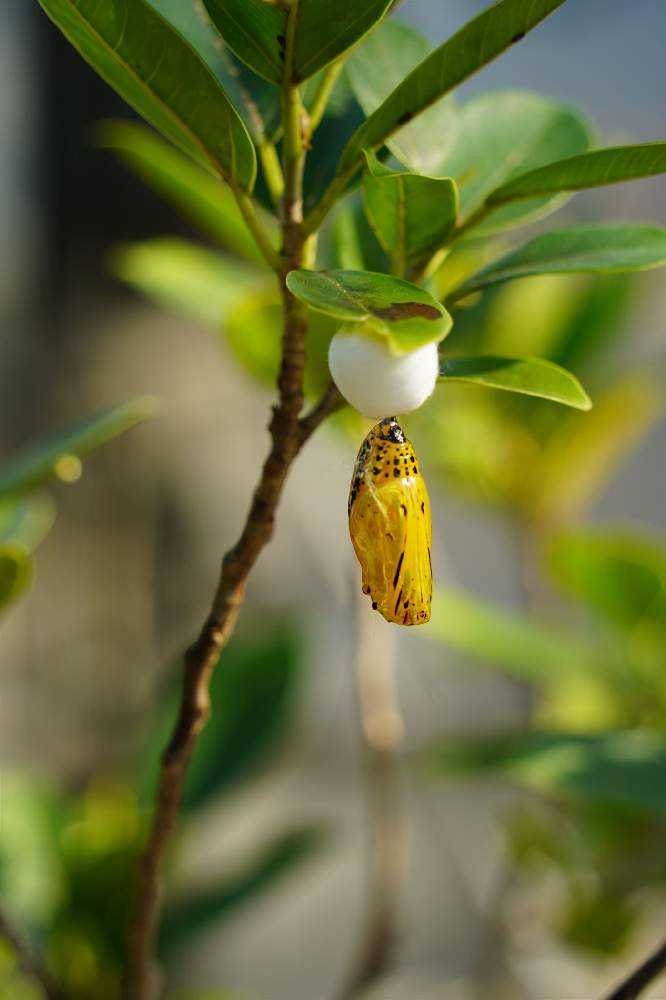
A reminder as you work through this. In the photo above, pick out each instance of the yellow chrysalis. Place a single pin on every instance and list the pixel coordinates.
(390, 526)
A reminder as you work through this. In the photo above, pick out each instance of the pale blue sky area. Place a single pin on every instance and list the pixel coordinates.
(608, 56)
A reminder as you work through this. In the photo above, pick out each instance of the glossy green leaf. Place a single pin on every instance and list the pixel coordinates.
(620, 575)
(184, 277)
(475, 45)
(25, 521)
(529, 376)
(623, 768)
(376, 68)
(402, 312)
(502, 639)
(326, 28)
(192, 22)
(411, 215)
(594, 169)
(202, 199)
(57, 455)
(150, 65)
(601, 249)
(257, 101)
(193, 915)
(15, 573)
(502, 134)
(256, 31)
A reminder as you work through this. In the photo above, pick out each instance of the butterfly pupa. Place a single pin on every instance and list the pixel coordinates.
(390, 525)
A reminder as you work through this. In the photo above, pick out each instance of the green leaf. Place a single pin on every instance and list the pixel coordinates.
(620, 575)
(475, 45)
(151, 66)
(600, 249)
(405, 314)
(188, 917)
(598, 321)
(191, 20)
(594, 169)
(411, 215)
(25, 521)
(256, 31)
(347, 249)
(502, 134)
(621, 768)
(376, 68)
(252, 693)
(202, 199)
(581, 455)
(326, 28)
(529, 376)
(58, 455)
(184, 277)
(15, 573)
(233, 301)
(499, 638)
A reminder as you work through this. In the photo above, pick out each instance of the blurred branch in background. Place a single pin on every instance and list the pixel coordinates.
(383, 733)
(28, 961)
(642, 977)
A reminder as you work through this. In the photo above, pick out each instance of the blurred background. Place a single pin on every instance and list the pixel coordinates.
(538, 871)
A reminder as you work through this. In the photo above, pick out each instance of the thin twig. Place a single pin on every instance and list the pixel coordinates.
(383, 733)
(642, 977)
(287, 436)
(322, 96)
(330, 403)
(29, 963)
(254, 224)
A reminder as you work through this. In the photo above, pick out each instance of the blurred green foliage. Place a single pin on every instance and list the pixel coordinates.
(68, 860)
(589, 646)
(27, 511)
(598, 685)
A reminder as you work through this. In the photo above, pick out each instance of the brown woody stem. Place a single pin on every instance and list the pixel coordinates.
(642, 977)
(383, 731)
(288, 433)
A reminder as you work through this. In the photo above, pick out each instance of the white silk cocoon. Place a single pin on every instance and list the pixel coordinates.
(376, 382)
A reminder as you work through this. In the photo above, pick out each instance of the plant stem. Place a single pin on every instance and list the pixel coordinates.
(288, 434)
(642, 977)
(329, 403)
(248, 211)
(324, 91)
(292, 143)
(383, 732)
(201, 658)
(272, 168)
(28, 961)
